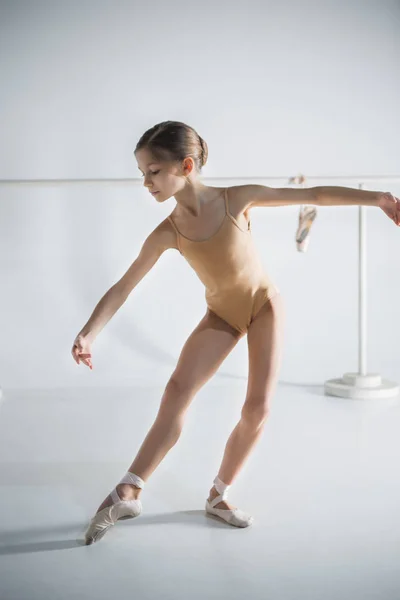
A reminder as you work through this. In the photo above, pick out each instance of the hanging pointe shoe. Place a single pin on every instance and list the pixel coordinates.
(119, 511)
(307, 215)
(235, 517)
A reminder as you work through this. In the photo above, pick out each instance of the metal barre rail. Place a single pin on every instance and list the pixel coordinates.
(355, 179)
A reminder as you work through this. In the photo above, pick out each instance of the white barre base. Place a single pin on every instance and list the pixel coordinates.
(354, 385)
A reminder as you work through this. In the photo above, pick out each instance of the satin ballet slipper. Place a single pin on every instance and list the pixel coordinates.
(235, 517)
(307, 215)
(107, 517)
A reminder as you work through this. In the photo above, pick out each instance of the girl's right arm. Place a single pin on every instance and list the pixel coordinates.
(155, 244)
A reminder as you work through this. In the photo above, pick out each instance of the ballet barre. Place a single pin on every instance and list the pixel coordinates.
(360, 385)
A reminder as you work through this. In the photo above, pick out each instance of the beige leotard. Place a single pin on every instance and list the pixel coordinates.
(229, 266)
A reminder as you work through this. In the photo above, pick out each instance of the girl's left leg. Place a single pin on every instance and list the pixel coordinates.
(264, 338)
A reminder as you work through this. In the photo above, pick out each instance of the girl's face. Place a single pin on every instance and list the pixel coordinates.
(163, 179)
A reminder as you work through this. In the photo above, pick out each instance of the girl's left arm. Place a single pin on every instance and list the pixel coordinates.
(262, 195)
(343, 196)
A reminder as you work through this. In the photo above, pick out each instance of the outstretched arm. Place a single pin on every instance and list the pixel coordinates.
(262, 195)
(343, 196)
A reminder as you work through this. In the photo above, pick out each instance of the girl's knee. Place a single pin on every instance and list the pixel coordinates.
(256, 411)
(176, 399)
(177, 387)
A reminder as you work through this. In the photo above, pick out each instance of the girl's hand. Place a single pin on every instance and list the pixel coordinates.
(390, 205)
(82, 350)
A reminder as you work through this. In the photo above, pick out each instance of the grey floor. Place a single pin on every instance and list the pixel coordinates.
(322, 485)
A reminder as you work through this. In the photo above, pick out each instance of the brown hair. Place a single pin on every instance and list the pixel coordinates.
(174, 141)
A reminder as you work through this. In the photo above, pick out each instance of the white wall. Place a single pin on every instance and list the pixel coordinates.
(275, 89)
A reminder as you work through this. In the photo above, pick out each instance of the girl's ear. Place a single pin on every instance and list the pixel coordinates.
(188, 165)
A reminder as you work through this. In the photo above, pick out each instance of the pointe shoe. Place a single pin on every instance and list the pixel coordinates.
(307, 215)
(235, 517)
(105, 518)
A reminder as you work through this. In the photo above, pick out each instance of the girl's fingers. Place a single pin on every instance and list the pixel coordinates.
(80, 356)
(87, 363)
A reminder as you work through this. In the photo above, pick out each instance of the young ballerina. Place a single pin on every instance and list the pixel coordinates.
(210, 227)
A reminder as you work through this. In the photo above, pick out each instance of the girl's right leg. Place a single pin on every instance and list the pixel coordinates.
(201, 356)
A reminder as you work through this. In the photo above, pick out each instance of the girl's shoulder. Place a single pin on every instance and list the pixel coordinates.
(166, 234)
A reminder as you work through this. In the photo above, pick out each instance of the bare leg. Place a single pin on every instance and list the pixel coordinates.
(162, 436)
(265, 344)
(238, 447)
(201, 356)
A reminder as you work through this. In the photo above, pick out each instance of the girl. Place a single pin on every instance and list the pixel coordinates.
(210, 227)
